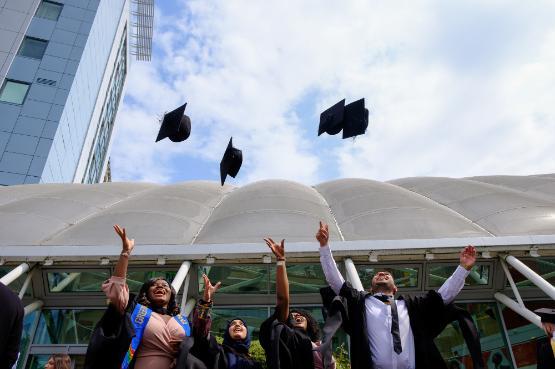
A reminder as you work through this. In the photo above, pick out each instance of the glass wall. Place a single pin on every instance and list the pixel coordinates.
(16, 285)
(438, 274)
(77, 281)
(543, 266)
(66, 326)
(523, 334)
(453, 348)
(405, 276)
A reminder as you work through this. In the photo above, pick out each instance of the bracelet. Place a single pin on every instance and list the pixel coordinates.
(124, 253)
(280, 262)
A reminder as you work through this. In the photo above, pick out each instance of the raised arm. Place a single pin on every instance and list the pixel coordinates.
(333, 276)
(126, 248)
(282, 282)
(455, 283)
(202, 320)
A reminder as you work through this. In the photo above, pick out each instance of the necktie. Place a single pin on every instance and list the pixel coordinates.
(397, 347)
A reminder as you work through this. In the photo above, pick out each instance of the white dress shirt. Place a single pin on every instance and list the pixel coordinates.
(378, 316)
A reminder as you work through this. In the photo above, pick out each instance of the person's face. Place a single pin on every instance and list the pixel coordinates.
(50, 364)
(159, 293)
(237, 330)
(383, 282)
(299, 321)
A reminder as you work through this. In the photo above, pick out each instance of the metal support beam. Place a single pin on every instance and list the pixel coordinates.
(182, 272)
(185, 290)
(189, 306)
(352, 274)
(26, 283)
(15, 273)
(520, 310)
(35, 305)
(534, 277)
(512, 282)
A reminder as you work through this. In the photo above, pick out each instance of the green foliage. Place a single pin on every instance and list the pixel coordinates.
(342, 357)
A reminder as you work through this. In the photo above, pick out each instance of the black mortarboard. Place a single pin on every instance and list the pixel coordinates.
(351, 118)
(175, 125)
(547, 315)
(331, 120)
(355, 119)
(231, 162)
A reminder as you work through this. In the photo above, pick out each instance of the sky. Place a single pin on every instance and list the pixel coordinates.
(454, 89)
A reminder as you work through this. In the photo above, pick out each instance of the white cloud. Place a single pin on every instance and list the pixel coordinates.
(455, 89)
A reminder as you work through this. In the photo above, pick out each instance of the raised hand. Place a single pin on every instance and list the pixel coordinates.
(468, 257)
(278, 250)
(323, 234)
(127, 244)
(209, 289)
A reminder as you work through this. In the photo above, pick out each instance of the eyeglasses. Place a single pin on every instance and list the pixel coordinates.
(298, 316)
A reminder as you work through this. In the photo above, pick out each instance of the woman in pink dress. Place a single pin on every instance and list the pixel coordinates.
(142, 332)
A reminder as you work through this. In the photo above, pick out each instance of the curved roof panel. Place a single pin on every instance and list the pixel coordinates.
(367, 210)
(203, 212)
(500, 210)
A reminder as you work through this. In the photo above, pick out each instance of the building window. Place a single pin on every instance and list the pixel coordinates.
(49, 10)
(14, 92)
(32, 47)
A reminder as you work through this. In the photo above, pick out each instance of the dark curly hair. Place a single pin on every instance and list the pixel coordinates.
(312, 327)
(142, 298)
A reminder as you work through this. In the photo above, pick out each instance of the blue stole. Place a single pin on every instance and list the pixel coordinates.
(139, 319)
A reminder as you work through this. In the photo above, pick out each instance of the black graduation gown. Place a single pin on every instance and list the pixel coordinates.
(428, 317)
(285, 347)
(111, 338)
(11, 325)
(546, 359)
(212, 354)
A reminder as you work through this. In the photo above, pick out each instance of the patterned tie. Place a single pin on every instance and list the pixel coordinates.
(397, 347)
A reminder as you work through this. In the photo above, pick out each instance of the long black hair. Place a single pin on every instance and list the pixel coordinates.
(142, 298)
(312, 327)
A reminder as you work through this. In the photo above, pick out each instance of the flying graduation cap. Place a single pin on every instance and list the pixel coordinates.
(351, 118)
(231, 161)
(175, 125)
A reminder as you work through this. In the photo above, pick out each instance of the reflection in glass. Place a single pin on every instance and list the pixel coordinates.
(453, 348)
(49, 10)
(479, 275)
(252, 316)
(14, 92)
(66, 326)
(543, 266)
(303, 278)
(28, 323)
(248, 279)
(83, 281)
(32, 47)
(523, 334)
(136, 278)
(405, 277)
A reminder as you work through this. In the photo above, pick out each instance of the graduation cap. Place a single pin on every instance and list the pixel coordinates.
(547, 315)
(351, 118)
(231, 162)
(175, 125)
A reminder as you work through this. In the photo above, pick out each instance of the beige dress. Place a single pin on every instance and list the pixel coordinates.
(158, 348)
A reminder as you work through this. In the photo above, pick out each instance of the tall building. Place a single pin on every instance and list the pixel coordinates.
(63, 69)
(413, 227)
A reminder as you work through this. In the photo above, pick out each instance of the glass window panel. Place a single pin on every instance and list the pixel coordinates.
(16, 285)
(49, 10)
(303, 278)
(136, 278)
(438, 274)
(32, 47)
(77, 281)
(453, 348)
(248, 279)
(405, 277)
(38, 361)
(523, 334)
(66, 326)
(28, 323)
(543, 266)
(14, 92)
